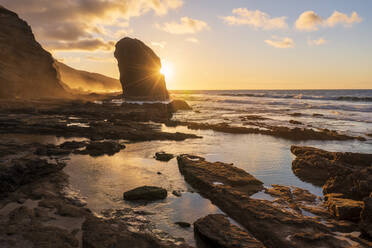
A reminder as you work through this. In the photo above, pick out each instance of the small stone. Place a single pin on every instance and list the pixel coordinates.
(162, 156)
(176, 193)
(183, 224)
(147, 193)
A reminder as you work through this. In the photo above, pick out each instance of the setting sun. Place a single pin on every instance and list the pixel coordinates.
(166, 69)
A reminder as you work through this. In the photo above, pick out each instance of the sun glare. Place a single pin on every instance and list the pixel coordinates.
(166, 69)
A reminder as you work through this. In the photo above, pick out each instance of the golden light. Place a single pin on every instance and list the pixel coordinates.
(166, 69)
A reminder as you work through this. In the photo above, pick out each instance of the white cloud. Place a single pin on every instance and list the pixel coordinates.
(256, 19)
(186, 25)
(317, 42)
(78, 21)
(192, 40)
(160, 44)
(341, 18)
(277, 42)
(310, 21)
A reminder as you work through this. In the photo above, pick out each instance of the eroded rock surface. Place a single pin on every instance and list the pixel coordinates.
(273, 225)
(216, 231)
(139, 70)
(340, 172)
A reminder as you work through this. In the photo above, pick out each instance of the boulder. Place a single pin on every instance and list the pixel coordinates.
(26, 69)
(216, 231)
(183, 224)
(139, 68)
(146, 193)
(345, 209)
(163, 156)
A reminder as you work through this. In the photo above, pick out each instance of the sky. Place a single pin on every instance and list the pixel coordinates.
(215, 44)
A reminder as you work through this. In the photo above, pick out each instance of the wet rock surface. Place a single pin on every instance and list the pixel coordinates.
(216, 231)
(269, 222)
(366, 217)
(146, 193)
(139, 70)
(347, 173)
(101, 148)
(262, 128)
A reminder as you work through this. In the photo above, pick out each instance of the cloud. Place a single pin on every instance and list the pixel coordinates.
(255, 19)
(85, 44)
(160, 44)
(280, 42)
(186, 25)
(317, 42)
(192, 40)
(341, 18)
(78, 21)
(310, 21)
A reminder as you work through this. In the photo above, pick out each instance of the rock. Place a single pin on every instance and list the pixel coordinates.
(317, 115)
(102, 148)
(263, 128)
(340, 172)
(176, 105)
(366, 217)
(146, 193)
(183, 224)
(271, 224)
(162, 156)
(26, 69)
(295, 122)
(18, 172)
(216, 231)
(345, 209)
(295, 114)
(208, 176)
(139, 68)
(177, 193)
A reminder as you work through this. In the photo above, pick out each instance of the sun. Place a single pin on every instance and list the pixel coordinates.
(166, 69)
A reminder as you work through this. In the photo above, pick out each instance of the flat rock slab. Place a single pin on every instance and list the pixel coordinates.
(145, 193)
(230, 189)
(216, 231)
(208, 175)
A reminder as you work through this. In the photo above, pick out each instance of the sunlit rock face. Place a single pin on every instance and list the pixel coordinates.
(26, 69)
(139, 70)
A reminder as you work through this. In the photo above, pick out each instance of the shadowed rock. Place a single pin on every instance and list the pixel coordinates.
(216, 231)
(145, 193)
(139, 70)
(163, 156)
(26, 69)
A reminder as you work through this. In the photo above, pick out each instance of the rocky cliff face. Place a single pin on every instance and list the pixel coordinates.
(26, 69)
(139, 70)
(84, 81)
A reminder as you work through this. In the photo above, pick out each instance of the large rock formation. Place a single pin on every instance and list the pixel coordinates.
(83, 81)
(139, 69)
(26, 69)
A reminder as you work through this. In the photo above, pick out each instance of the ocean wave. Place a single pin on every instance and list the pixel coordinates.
(301, 96)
